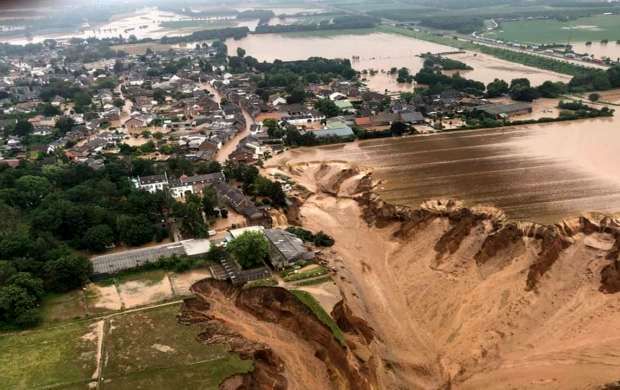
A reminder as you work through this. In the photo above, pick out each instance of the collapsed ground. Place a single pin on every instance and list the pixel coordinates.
(458, 297)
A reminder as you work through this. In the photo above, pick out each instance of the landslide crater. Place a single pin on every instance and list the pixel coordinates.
(291, 348)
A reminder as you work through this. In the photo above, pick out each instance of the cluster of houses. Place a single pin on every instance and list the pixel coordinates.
(227, 194)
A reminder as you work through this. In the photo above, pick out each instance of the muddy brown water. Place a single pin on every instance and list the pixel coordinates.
(539, 173)
(381, 51)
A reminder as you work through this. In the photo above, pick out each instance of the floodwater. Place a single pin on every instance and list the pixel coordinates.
(380, 51)
(539, 173)
(599, 50)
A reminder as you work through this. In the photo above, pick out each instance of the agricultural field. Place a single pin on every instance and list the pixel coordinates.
(594, 28)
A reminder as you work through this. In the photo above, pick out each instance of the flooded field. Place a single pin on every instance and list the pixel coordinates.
(599, 50)
(538, 173)
(381, 51)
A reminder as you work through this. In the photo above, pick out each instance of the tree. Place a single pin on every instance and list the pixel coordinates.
(25, 280)
(64, 124)
(18, 306)
(398, 128)
(549, 89)
(208, 167)
(250, 249)
(31, 190)
(82, 99)
(297, 95)
(209, 201)
(23, 128)
(273, 128)
(404, 76)
(594, 97)
(523, 82)
(135, 231)
(119, 103)
(327, 108)
(270, 189)
(240, 52)
(67, 272)
(98, 238)
(322, 239)
(189, 214)
(159, 95)
(497, 88)
(48, 110)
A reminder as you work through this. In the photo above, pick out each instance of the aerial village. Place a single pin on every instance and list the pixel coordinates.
(196, 123)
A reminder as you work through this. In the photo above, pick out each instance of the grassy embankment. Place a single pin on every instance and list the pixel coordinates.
(308, 300)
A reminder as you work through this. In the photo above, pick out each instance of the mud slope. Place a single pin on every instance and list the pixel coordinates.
(459, 298)
(290, 347)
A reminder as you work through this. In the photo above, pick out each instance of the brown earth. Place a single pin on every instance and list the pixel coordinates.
(459, 298)
(290, 347)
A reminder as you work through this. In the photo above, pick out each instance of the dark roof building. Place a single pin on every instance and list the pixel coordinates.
(499, 110)
(285, 248)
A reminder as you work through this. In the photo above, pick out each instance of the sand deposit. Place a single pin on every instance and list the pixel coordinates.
(459, 297)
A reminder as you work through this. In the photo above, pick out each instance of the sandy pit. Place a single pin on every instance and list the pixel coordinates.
(182, 282)
(140, 293)
(454, 305)
(103, 297)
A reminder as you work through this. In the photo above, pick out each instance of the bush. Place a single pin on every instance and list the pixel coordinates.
(250, 249)
(322, 239)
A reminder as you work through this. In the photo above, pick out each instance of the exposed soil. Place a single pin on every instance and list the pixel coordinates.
(455, 297)
(290, 347)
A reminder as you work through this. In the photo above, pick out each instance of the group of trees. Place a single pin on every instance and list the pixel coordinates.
(438, 82)
(337, 23)
(445, 63)
(596, 80)
(318, 239)
(50, 210)
(293, 76)
(521, 89)
(254, 184)
(209, 35)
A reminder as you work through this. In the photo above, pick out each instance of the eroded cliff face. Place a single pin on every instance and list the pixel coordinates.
(459, 297)
(290, 347)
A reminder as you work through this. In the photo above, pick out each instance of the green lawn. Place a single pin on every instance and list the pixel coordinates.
(141, 347)
(321, 314)
(207, 375)
(63, 307)
(64, 355)
(593, 28)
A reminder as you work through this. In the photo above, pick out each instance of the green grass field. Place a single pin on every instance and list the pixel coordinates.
(64, 307)
(594, 28)
(64, 355)
(146, 349)
(151, 350)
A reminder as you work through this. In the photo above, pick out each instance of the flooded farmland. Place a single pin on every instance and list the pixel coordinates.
(539, 173)
(380, 51)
